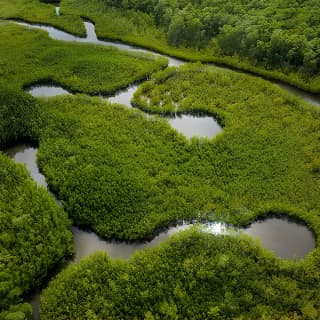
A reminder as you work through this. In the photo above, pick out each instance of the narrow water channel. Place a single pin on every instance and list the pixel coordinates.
(287, 238)
(91, 37)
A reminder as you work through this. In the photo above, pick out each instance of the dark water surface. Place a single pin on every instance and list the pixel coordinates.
(286, 238)
(306, 96)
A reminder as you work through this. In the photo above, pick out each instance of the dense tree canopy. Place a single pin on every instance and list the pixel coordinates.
(277, 39)
(34, 231)
(126, 174)
(274, 33)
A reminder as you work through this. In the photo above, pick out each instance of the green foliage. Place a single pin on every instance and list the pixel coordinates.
(79, 67)
(18, 115)
(125, 174)
(34, 235)
(34, 231)
(39, 12)
(117, 170)
(266, 156)
(192, 276)
(250, 29)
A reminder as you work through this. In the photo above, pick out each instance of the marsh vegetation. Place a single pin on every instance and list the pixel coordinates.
(126, 173)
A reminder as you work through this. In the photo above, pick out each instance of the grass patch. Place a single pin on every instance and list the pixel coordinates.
(36, 11)
(117, 170)
(34, 231)
(77, 67)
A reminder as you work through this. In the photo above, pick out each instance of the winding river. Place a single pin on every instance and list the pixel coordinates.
(91, 37)
(288, 239)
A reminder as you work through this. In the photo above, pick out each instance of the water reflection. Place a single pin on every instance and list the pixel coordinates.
(26, 154)
(308, 97)
(287, 238)
(88, 242)
(46, 91)
(124, 96)
(92, 38)
(192, 126)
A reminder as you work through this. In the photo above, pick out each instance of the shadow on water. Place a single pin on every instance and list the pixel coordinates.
(286, 237)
